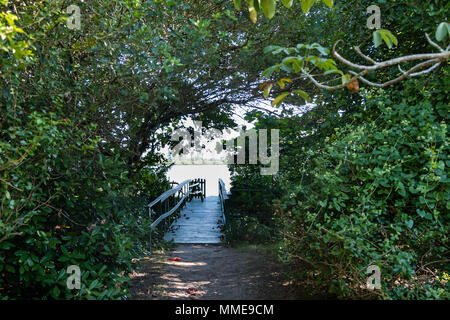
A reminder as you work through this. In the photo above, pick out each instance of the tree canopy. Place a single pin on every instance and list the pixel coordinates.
(363, 165)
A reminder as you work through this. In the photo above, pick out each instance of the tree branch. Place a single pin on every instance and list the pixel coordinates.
(407, 74)
(432, 59)
(442, 56)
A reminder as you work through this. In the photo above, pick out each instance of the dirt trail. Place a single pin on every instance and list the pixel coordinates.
(210, 272)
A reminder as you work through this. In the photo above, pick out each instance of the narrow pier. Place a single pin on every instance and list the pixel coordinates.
(200, 222)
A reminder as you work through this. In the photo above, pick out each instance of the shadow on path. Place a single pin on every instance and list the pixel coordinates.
(210, 272)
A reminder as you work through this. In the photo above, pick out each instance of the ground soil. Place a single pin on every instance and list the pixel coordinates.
(212, 272)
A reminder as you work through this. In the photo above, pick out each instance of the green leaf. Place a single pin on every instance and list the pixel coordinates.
(385, 35)
(442, 31)
(329, 3)
(303, 94)
(287, 3)
(55, 292)
(280, 98)
(409, 223)
(297, 65)
(268, 72)
(268, 8)
(333, 71)
(319, 48)
(269, 49)
(307, 4)
(345, 78)
(93, 284)
(385, 38)
(290, 59)
(257, 6)
(377, 41)
(421, 213)
(237, 4)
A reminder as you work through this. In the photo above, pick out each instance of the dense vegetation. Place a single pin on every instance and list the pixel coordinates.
(364, 180)
(363, 175)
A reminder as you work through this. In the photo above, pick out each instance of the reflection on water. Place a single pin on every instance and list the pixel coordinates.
(211, 173)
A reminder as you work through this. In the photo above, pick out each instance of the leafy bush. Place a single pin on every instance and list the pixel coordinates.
(376, 194)
(245, 228)
(64, 203)
(250, 211)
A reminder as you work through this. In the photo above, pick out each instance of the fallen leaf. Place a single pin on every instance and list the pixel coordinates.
(175, 259)
(192, 291)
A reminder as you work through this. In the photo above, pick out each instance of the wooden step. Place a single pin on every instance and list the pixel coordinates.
(202, 223)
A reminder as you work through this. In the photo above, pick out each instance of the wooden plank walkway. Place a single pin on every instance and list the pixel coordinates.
(200, 222)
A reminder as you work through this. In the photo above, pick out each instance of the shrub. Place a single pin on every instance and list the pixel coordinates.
(65, 203)
(376, 194)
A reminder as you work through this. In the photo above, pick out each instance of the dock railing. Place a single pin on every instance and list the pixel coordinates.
(223, 197)
(174, 200)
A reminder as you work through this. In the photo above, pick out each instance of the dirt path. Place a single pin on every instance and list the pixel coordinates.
(210, 272)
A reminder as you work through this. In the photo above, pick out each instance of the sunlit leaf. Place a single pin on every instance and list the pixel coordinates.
(287, 3)
(442, 31)
(280, 98)
(329, 3)
(333, 71)
(377, 40)
(268, 8)
(386, 36)
(303, 94)
(307, 4)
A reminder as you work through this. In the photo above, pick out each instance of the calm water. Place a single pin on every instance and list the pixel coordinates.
(211, 173)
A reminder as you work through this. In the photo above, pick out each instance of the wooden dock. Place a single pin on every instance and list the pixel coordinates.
(200, 222)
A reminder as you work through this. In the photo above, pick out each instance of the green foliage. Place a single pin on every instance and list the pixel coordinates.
(298, 59)
(250, 218)
(376, 193)
(367, 187)
(84, 111)
(384, 35)
(269, 7)
(14, 41)
(248, 229)
(64, 203)
(363, 177)
(442, 31)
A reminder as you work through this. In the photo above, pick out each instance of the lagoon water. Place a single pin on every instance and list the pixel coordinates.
(211, 173)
